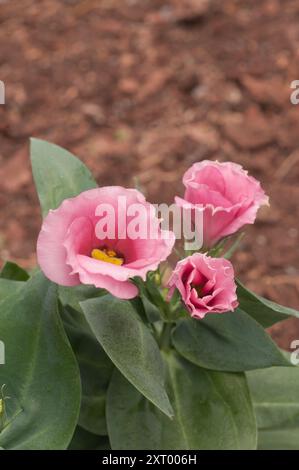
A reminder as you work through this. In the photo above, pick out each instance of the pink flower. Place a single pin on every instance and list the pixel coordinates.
(227, 197)
(206, 284)
(73, 249)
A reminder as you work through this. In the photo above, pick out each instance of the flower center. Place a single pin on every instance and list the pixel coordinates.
(198, 289)
(201, 290)
(107, 255)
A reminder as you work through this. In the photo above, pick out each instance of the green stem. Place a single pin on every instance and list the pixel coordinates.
(165, 337)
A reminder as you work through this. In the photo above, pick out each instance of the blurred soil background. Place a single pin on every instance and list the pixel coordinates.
(145, 88)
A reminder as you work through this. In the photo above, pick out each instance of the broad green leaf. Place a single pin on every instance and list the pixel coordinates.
(8, 288)
(275, 394)
(84, 440)
(40, 373)
(13, 272)
(12, 279)
(72, 296)
(263, 310)
(58, 174)
(130, 345)
(231, 341)
(95, 370)
(213, 410)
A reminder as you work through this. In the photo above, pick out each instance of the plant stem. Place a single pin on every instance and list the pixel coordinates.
(165, 337)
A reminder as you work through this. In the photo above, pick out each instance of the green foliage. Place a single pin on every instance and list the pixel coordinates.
(58, 175)
(130, 345)
(263, 310)
(13, 272)
(84, 440)
(213, 410)
(275, 394)
(229, 341)
(40, 373)
(72, 296)
(12, 279)
(8, 288)
(95, 370)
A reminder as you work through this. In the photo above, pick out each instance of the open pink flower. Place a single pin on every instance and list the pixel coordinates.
(72, 250)
(227, 197)
(206, 284)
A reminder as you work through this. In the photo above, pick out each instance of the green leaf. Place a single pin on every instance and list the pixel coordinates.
(154, 294)
(72, 296)
(13, 272)
(95, 370)
(263, 310)
(58, 174)
(40, 372)
(130, 345)
(152, 312)
(8, 288)
(212, 411)
(230, 341)
(12, 279)
(84, 440)
(276, 402)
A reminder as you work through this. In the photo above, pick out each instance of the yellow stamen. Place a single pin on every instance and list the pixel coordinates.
(109, 256)
(110, 253)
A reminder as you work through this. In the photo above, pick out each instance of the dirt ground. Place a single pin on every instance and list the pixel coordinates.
(145, 88)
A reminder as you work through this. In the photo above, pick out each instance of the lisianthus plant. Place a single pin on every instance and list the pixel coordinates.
(108, 345)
